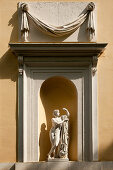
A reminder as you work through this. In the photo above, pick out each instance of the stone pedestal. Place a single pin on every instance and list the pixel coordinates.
(58, 159)
(69, 165)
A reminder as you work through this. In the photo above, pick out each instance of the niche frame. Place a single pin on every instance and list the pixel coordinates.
(40, 75)
(66, 58)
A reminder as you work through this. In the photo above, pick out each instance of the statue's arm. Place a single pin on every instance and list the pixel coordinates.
(67, 112)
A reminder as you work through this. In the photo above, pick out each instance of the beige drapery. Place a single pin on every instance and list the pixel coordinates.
(60, 30)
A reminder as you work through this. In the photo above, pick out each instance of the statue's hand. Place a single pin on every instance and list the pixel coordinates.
(68, 114)
(65, 109)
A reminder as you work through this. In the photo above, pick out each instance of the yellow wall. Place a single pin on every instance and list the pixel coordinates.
(8, 80)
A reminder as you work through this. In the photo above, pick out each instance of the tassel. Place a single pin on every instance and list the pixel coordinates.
(91, 27)
(24, 23)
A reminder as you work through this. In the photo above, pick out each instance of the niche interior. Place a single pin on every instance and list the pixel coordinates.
(56, 93)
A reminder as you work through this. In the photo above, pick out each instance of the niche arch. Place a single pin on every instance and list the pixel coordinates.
(55, 93)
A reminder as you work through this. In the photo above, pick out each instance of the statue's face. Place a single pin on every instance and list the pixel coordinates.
(56, 113)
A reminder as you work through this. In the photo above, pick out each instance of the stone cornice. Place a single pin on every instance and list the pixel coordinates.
(58, 49)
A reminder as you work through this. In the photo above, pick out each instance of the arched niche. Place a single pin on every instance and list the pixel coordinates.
(56, 93)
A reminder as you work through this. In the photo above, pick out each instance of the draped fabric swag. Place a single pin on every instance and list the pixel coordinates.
(60, 30)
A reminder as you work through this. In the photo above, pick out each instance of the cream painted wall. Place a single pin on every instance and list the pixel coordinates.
(8, 80)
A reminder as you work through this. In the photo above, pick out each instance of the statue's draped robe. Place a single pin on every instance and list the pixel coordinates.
(63, 147)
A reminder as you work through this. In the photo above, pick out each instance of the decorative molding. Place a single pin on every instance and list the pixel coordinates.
(20, 108)
(20, 65)
(95, 60)
(94, 70)
(57, 31)
(94, 65)
(56, 49)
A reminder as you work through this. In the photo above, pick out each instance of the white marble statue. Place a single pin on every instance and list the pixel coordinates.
(59, 135)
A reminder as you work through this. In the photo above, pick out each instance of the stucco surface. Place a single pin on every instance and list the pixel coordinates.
(8, 80)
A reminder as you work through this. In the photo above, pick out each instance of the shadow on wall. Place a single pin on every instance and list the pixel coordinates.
(43, 144)
(57, 93)
(9, 66)
(13, 22)
(9, 79)
(9, 70)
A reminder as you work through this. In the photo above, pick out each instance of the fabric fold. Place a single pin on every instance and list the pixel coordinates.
(57, 31)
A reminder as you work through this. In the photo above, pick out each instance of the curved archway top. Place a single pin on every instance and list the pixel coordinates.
(58, 81)
(57, 88)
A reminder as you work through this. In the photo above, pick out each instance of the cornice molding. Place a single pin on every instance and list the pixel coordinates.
(58, 49)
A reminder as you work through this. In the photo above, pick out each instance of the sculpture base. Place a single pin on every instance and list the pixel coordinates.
(57, 159)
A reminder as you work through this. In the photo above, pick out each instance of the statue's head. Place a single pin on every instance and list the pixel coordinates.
(56, 113)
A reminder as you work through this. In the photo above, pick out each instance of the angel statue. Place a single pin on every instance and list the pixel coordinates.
(59, 135)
